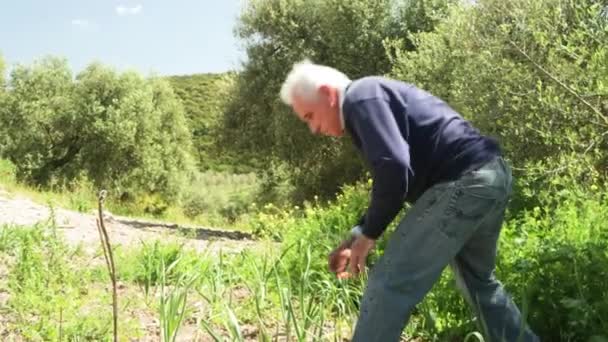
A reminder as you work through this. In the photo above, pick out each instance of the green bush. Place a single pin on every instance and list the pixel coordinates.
(125, 133)
(276, 184)
(222, 194)
(7, 172)
(152, 204)
(532, 73)
(195, 205)
(560, 256)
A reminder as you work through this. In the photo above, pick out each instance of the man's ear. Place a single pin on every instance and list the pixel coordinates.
(329, 93)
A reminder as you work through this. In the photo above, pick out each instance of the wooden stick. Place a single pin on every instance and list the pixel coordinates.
(107, 252)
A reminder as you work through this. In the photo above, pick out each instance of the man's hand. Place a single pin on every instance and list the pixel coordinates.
(338, 259)
(351, 255)
(360, 248)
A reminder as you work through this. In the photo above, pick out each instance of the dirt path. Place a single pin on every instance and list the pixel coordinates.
(81, 228)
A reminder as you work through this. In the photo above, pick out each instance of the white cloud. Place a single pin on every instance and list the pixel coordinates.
(124, 10)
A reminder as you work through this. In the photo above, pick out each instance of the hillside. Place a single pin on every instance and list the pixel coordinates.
(204, 97)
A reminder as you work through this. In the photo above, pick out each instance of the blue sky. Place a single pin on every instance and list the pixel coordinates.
(160, 36)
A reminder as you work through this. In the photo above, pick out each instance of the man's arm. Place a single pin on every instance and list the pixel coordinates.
(387, 153)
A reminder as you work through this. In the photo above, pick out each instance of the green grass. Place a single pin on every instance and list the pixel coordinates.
(53, 295)
(55, 291)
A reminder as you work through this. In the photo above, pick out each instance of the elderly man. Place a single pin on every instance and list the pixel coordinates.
(421, 151)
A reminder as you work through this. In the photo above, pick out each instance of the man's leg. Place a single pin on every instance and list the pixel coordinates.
(473, 269)
(426, 240)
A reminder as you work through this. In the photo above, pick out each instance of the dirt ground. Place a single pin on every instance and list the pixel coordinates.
(82, 227)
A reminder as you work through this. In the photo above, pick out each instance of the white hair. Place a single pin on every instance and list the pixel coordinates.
(305, 78)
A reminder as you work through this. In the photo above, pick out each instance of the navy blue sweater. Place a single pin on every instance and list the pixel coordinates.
(411, 140)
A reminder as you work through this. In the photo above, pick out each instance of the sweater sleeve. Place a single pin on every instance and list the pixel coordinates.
(387, 154)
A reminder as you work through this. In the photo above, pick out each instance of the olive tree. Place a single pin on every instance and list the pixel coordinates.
(533, 73)
(120, 130)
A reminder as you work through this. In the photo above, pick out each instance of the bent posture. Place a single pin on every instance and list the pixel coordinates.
(421, 151)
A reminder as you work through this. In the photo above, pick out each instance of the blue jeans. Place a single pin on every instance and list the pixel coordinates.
(456, 223)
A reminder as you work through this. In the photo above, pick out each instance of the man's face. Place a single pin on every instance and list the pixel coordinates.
(323, 114)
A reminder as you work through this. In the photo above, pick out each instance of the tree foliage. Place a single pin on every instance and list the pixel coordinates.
(532, 73)
(121, 131)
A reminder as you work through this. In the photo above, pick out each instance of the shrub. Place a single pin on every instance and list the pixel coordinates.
(123, 132)
(222, 194)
